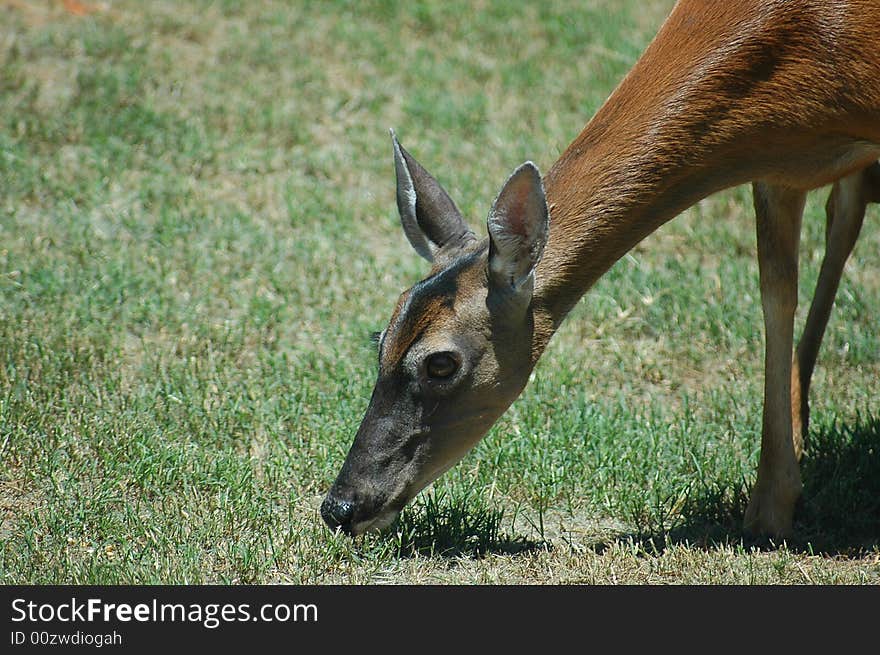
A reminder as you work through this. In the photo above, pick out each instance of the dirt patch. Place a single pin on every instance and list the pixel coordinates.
(16, 500)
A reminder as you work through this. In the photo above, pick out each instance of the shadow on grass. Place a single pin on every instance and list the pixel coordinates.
(442, 525)
(841, 508)
(838, 515)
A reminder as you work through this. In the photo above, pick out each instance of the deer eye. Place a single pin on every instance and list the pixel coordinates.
(441, 365)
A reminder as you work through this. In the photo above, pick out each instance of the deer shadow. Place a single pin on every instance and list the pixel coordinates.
(839, 510)
(456, 526)
(838, 515)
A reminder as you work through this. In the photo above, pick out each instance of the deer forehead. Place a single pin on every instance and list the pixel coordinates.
(430, 312)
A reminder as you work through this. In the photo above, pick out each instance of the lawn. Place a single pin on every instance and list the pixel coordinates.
(198, 235)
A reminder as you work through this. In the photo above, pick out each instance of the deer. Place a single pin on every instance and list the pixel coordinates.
(783, 95)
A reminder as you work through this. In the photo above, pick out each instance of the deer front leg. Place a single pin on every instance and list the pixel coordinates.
(845, 212)
(778, 485)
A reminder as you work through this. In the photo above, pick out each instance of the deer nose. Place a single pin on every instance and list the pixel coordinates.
(337, 513)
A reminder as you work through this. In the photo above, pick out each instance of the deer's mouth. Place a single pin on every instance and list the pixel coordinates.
(355, 515)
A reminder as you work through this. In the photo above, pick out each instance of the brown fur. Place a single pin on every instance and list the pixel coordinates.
(429, 304)
(727, 93)
(782, 93)
(408, 324)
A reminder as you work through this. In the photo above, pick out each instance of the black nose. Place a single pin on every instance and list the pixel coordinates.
(337, 513)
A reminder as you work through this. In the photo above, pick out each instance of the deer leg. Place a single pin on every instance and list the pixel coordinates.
(845, 211)
(778, 485)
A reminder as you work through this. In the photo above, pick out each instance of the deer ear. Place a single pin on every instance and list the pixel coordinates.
(429, 217)
(518, 223)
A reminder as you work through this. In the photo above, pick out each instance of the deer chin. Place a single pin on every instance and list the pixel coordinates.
(377, 523)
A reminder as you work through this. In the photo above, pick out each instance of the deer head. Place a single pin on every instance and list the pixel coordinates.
(457, 350)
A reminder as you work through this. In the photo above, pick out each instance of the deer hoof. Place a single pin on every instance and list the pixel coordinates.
(770, 513)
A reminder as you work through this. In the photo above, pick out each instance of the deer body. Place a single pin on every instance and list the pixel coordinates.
(727, 93)
(783, 94)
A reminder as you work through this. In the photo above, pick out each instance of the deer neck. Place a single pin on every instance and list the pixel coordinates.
(598, 216)
(646, 156)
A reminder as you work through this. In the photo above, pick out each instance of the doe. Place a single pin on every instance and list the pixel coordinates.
(782, 94)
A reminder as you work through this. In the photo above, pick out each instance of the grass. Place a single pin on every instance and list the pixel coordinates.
(198, 235)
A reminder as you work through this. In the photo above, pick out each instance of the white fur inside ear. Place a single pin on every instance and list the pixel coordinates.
(406, 205)
(518, 227)
(506, 262)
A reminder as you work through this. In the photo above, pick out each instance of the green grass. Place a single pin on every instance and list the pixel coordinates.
(198, 234)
